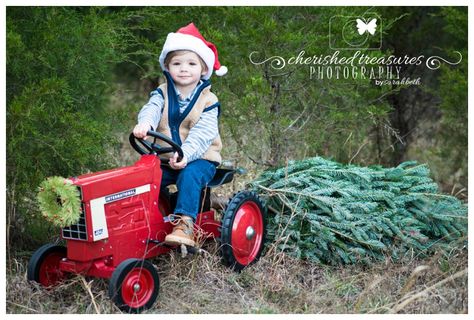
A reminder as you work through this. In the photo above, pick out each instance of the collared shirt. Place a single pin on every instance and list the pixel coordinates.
(200, 136)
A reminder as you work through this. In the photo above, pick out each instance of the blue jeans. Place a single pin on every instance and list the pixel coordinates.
(189, 181)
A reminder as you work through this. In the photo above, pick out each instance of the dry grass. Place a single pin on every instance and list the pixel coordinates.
(276, 284)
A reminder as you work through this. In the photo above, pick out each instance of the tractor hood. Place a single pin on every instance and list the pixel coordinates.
(103, 183)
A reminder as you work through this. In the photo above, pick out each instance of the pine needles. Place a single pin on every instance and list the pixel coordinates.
(59, 201)
(332, 213)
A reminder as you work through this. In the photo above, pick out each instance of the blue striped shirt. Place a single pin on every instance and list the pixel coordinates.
(200, 136)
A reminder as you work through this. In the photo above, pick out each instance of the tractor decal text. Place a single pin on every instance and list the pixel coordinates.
(121, 195)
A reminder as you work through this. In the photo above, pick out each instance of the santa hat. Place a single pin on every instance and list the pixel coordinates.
(189, 38)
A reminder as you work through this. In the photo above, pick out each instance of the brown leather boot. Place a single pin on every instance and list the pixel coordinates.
(183, 232)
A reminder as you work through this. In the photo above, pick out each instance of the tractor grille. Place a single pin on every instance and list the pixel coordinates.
(77, 231)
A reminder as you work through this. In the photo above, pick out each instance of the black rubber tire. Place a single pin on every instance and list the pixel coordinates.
(38, 258)
(227, 252)
(118, 277)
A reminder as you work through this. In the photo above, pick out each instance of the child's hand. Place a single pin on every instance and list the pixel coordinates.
(178, 165)
(140, 130)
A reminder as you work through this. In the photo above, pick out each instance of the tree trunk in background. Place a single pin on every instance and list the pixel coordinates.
(415, 104)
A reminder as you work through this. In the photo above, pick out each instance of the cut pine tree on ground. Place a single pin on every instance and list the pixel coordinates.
(333, 213)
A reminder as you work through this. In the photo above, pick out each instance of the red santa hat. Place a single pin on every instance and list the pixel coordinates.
(189, 38)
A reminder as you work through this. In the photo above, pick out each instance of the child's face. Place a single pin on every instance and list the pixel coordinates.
(186, 69)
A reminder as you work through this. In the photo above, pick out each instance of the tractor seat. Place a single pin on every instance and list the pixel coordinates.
(222, 176)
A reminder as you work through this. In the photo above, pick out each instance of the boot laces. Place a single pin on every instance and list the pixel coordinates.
(180, 223)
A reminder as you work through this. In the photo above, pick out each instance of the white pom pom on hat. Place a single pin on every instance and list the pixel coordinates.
(189, 38)
(222, 71)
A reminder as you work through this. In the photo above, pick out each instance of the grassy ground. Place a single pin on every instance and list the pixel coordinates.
(276, 284)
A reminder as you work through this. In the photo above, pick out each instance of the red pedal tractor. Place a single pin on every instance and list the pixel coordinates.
(125, 219)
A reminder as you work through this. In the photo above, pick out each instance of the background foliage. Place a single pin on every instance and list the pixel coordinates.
(77, 76)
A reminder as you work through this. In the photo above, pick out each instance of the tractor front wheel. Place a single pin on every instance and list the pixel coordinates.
(134, 285)
(43, 266)
(243, 230)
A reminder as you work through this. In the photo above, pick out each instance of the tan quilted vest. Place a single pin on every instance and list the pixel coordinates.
(205, 99)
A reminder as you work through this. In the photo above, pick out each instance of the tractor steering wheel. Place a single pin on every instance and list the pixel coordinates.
(143, 146)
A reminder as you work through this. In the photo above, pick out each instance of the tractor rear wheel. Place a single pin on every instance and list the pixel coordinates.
(43, 266)
(243, 230)
(134, 285)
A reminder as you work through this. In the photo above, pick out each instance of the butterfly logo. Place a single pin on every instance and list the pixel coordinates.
(363, 27)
